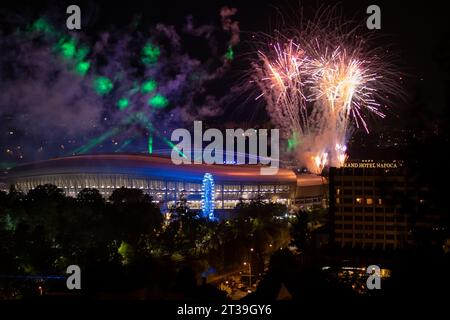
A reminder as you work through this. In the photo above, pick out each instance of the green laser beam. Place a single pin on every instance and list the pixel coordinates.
(230, 53)
(82, 67)
(123, 103)
(126, 143)
(96, 141)
(292, 142)
(148, 86)
(158, 101)
(150, 144)
(68, 48)
(143, 119)
(102, 85)
(42, 25)
(150, 53)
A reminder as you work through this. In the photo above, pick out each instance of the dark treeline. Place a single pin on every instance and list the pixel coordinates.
(125, 243)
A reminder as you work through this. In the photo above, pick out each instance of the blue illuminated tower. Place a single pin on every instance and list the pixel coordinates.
(208, 196)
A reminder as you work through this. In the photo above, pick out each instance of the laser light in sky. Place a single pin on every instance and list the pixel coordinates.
(82, 67)
(102, 85)
(292, 142)
(148, 86)
(230, 53)
(68, 49)
(158, 101)
(150, 144)
(150, 53)
(41, 25)
(123, 103)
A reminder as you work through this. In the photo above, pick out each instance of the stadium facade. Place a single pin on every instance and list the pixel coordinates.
(167, 182)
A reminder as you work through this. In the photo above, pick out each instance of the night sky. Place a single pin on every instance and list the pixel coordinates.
(49, 109)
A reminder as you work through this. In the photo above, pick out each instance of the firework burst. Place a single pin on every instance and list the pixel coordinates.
(280, 78)
(320, 82)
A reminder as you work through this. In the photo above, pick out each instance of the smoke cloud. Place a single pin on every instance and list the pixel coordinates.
(48, 109)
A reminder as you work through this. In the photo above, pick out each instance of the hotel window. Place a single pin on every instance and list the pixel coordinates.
(380, 201)
(369, 201)
(347, 200)
(358, 200)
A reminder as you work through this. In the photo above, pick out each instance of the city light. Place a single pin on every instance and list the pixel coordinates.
(208, 196)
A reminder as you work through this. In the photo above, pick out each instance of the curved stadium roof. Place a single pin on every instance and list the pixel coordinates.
(156, 167)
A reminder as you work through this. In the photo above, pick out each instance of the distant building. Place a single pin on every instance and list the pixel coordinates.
(371, 204)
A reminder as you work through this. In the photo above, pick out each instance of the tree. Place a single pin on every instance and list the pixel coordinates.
(301, 237)
(135, 218)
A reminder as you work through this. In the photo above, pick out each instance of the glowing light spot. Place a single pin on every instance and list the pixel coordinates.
(68, 49)
(208, 196)
(150, 144)
(292, 142)
(123, 103)
(150, 53)
(103, 85)
(41, 25)
(148, 86)
(158, 101)
(230, 53)
(82, 67)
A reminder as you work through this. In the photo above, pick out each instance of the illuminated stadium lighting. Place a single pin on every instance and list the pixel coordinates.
(208, 196)
(164, 181)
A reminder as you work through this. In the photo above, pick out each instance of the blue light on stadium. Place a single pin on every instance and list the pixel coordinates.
(208, 196)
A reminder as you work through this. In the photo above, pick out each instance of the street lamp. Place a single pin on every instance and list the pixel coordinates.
(249, 273)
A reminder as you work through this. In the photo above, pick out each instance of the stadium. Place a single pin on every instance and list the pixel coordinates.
(167, 182)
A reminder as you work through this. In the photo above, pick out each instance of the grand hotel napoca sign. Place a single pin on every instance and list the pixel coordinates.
(370, 164)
